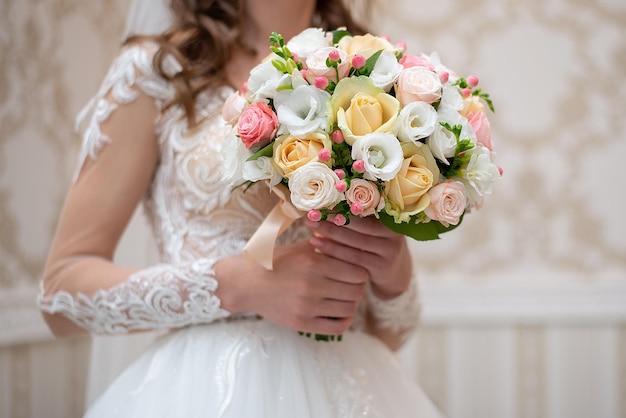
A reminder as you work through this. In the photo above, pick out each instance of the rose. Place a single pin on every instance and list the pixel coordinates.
(362, 108)
(316, 65)
(408, 61)
(447, 202)
(482, 128)
(406, 193)
(472, 104)
(442, 144)
(302, 110)
(381, 154)
(233, 107)
(365, 45)
(365, 193)
(418, 84)
(307, 41)
(291, 152)
(386, 71)
(417, 120)
(257, 125)
(312, 186)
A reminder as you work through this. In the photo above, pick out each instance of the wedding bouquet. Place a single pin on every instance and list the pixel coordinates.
(344, 126)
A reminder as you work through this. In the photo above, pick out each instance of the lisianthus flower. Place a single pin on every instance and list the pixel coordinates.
(302, 111)
(381, 154)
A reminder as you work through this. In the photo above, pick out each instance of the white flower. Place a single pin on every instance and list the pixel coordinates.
(418, 84)
(234, 153)
(417, 120)
(442, 144)
(316, 65)
(307, 41)
(452, 117)
(312, 186)
(479, 176)
(451, 98)
(261, 169)
(381, 153)
(302, 111)
(386, 70)
(264, 81)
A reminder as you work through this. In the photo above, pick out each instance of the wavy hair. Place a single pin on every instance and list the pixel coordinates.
(211, 28)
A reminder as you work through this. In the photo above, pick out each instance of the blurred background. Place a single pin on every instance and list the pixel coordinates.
(524, 306)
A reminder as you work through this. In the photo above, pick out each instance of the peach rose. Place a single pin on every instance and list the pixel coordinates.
(366, 193)
(257, 125)
(482, 128)
(447, 202)
(291, 153)
(418, 84)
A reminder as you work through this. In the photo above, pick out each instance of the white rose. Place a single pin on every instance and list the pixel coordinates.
(418, 84)
(307, 41)
(478, 176)
(381, 153)
(417, 120)
(302, 111)
(316, 65)
(312, 186)
(261, 169)
(386, 71)
(264, 81)
(442, 144)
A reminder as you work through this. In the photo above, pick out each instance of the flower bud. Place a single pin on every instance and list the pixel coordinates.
(358, 61)
(340, 173)
(359, 166)
(341, 186)
(334, 55)
(324, 155)
(444, 76)
(356, 208)
(472, 81)
(339, 219)
(321, 82)
(314, 215)
(337, 136)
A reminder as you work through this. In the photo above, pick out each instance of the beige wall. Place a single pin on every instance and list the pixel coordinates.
(527, 320)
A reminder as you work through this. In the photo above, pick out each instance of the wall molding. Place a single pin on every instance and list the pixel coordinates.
(458, 304)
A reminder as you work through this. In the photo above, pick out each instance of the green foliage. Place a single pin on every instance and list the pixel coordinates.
(266, 151)
(418, 231)
(485, 96)
(461, 157)
(338, 34)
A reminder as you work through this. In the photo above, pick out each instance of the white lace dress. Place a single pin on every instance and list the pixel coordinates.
(212, 363)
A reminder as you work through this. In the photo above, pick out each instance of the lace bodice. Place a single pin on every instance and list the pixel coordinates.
(196, 214)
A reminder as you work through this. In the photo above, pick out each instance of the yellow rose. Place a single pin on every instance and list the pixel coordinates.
(472, 104)
(365, 45)
(407, 192)
(361, 108)
(291, 153)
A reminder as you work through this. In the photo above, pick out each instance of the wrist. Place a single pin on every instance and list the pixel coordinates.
(228, 273)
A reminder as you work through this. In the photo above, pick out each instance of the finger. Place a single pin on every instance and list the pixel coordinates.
(341, 270)
(355, 256)
(352, 238)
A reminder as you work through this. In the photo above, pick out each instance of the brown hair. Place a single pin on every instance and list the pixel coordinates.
(210, 29)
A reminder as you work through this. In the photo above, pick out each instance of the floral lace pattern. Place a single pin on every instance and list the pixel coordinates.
(192, 208)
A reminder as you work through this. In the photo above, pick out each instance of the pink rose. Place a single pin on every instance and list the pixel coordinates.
(409, 61)
(233, 106)
(365, 193)
(418, 84)
(447, 202)
(257, 125)
(316, 65)
(481, 126)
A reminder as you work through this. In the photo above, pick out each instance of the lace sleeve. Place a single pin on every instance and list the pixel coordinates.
(400, 315)
(163, 296)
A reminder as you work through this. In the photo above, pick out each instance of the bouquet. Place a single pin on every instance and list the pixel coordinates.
(343, 126)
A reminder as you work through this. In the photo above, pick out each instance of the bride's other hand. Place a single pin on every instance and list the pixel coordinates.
(306, 291)
(366, 242)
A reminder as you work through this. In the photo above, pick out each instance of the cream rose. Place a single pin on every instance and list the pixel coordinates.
(291, 153)
(233, 107)
(407, 191)
(447, 202)
(312, 186)
(362, 108)
(418, 84)
(366, 193)
(365, 45)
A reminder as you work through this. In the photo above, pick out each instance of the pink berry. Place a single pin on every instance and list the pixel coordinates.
(500, 170)
(295, 57)
(358, 61)
(444, 76)
(472, 81)
(339, 219)
(356, 208)
(466, 92)
(359, 166)
(334, 55)
(341, 186)
(321, 82)
(324, 155)
(340, 173)
(385, 37)
(314, 215)
(337, 136)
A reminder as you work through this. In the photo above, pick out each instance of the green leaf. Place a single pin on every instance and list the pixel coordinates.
(370, 62)
(420, 232)
(338, 34)
(266, 151)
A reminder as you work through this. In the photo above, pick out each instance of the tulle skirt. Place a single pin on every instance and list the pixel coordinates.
(253, 368)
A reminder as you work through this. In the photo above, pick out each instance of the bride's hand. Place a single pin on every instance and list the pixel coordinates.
(306, 291)
(368, 243)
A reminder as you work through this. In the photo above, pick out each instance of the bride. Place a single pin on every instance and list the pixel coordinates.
(153, 134)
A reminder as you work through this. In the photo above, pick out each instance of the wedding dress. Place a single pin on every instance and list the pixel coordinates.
(212, 363)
